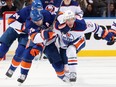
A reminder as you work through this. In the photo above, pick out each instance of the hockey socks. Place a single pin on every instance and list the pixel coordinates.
(16, 60)
(25, 66)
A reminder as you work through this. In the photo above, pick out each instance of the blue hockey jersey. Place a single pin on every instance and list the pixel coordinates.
(33, 29)
(20, 15)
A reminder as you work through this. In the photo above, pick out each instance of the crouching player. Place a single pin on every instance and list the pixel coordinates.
(71, 30)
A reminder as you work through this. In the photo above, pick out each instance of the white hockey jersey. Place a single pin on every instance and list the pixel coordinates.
(73, 6)
(75, 35)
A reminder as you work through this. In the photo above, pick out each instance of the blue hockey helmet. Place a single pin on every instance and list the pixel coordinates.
(36, 15)
(36, 4)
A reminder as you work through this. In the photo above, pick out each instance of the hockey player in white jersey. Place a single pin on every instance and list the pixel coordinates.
(71, 30)
(66, 5)
(73, 6)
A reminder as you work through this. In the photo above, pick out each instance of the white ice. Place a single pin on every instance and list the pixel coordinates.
(92, 72)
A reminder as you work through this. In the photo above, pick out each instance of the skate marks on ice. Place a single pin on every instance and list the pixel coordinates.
(97, 72)
(92, 72)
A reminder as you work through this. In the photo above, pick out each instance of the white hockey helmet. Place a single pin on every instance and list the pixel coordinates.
(68, 15)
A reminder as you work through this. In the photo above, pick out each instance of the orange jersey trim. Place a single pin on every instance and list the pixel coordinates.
(10, 20)
(15, 63)
(79, 43)
(60, 73)
(32, 36)
(25, 64)
(72, 60)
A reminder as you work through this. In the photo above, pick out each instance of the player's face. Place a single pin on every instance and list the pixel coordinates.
(70, 22)
(38, 23)
(67, 2)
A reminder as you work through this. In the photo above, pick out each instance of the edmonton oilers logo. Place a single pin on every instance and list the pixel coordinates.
(67, 38)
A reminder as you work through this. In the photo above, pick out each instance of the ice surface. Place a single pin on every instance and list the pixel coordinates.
(92, 72)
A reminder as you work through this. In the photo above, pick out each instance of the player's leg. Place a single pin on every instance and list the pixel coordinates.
(72, 62)
(64, 59)
(72, 51)
(22, 41)
(60, 71)
(6, 40)
(26, 63)
(55, 59)
(16, 60)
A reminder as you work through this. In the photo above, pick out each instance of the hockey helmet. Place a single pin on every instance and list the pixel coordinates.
(68, 15)
(36, 15)
(36, 4)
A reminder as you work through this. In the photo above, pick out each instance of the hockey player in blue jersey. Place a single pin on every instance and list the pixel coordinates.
(16, 30)
(113, 31)
(39, 20)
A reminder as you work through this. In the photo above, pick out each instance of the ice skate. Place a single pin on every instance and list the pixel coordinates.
(66, 79)
(22, 78)
(9, 73)
(73, 76)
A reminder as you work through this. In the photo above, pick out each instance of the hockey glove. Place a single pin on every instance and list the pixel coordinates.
(108, 36)
(36, 49)
(113, 38)
(34, 52)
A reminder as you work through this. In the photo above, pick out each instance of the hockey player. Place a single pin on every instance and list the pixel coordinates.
(16, 30)
(71, 37)
(55, 3)
(16, 24)
(66, 5)
(73, 6)
(113, 31)
(39, 20)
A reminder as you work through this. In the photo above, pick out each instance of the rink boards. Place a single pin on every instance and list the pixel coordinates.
(93, 47)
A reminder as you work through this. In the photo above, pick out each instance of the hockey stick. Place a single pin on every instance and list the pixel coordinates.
(51, 27)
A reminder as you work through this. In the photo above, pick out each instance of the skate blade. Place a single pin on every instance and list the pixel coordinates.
(6, 77)
(19, 84)
(73, 84)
